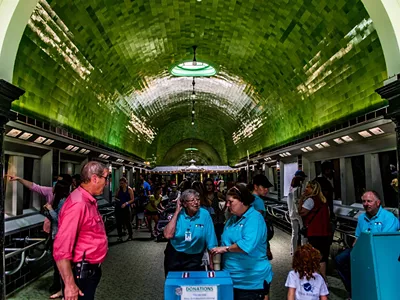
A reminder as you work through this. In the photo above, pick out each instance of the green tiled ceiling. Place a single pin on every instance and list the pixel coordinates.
(285, 68)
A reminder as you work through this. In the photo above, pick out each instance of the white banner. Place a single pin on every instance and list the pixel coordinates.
(204, 292)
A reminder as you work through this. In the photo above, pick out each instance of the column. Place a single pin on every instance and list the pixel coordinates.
(8, 93)
(391, 92)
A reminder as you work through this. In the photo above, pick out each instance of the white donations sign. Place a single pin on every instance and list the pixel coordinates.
(202, 292)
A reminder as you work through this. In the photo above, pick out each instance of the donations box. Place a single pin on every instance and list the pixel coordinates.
(375, 266)
(198, 285)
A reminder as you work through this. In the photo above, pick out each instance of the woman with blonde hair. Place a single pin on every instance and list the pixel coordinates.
(314, 210)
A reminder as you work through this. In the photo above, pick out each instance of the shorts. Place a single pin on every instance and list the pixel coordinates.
(140, 215)
(321, 243)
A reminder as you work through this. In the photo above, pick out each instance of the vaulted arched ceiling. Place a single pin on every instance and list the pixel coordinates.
(285, 68)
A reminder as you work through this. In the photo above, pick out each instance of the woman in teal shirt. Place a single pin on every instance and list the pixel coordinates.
(244, 246)
(189, 232)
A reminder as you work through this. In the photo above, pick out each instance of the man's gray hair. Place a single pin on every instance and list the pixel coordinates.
(189, 193)
(90, 169)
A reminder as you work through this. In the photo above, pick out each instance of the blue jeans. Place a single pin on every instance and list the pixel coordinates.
(343, 266)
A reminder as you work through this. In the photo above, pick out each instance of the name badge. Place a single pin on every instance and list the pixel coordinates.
(188, 236)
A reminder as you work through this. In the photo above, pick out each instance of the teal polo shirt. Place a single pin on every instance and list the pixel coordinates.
(258, 204)
(383, 221)
(249, 269)
(201, 229)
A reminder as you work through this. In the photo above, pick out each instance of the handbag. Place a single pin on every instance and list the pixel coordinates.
(304, 229)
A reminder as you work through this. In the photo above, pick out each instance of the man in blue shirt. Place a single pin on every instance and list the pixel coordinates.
(375, 219)
(146, 186)
(260, 185)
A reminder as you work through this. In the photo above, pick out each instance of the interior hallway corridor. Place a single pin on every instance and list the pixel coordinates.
(134, 270)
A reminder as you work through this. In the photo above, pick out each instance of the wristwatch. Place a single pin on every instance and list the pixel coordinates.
(227, 249)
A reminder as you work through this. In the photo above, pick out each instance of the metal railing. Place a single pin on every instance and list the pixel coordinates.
(281, 214)
(22, 252)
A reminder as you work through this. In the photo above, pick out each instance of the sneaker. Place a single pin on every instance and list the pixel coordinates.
(130, 238)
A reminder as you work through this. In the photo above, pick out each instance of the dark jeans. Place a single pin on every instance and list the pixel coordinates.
(123, 217)
(239, 294)
(89, 284)
(343, 265)
(219, 228)
(179, 261)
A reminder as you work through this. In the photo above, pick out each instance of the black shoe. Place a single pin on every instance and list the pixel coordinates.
(130, 238)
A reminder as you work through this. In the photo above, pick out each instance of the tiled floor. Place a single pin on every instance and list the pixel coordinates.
(134, 270)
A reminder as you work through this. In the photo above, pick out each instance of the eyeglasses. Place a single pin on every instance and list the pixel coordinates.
(193, 200)
(105, 177)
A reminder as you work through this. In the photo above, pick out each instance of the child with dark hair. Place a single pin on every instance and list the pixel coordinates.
(303, 281)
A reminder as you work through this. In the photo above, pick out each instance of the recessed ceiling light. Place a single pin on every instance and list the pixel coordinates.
(25, 136)
(82, 150)
(40, 140)
(338, 141)
(13, 132)
(347, 138)
(376, 131)
(365, 134)
(288, 153)
(281, 155)
(325, 144)
(304, 149)
(74, 149)
(309, 148)
(69, 147)
(87, 151)
(48, 142)
(319, 146)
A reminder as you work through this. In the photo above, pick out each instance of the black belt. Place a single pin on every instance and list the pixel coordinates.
(87, 265)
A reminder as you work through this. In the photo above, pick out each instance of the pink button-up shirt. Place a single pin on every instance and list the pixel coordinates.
(81, 230)
(46, 192)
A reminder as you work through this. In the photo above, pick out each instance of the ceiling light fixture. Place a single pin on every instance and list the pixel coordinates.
(13, 132)
(304, 149)
(309, 148)
(347, 138)
(376, 131)
(25, 136)
(325, 144)
(48, 142)
(40, 140)
(338, 141)
(365, 134)
(319, 146)
(69, 147)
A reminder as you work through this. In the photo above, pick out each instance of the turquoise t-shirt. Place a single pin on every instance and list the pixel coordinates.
(194, 234)
(248, 270)
(258, 204)
(383, 221)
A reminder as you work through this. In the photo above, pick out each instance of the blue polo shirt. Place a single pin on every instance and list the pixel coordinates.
(383, 221)
(146, 188)
(258, 204)
(249, 269)
(201, 229)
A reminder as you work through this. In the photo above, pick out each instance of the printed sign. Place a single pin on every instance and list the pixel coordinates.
(203, 292)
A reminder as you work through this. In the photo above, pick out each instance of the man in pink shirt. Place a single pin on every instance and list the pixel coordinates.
(81, 243)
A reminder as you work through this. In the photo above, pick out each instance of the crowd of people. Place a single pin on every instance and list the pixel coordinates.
(225, 228)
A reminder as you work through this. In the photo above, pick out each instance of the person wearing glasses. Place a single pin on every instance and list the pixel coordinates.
(190, 232)
(244, 246)
(80, 245)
